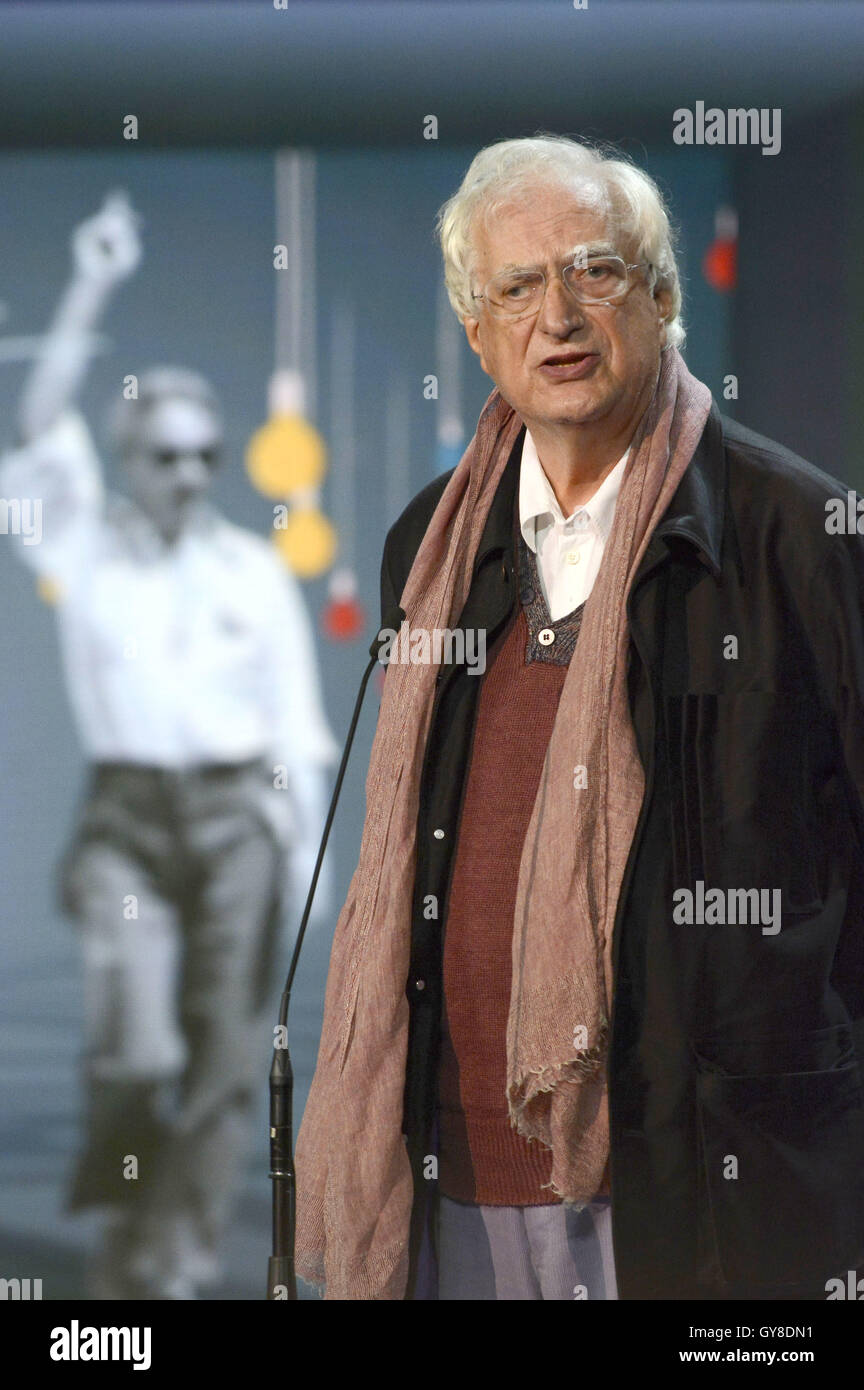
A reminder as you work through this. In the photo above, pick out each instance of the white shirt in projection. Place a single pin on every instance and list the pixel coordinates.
(199, 652)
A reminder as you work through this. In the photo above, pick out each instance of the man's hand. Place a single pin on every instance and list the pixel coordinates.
(106, 248)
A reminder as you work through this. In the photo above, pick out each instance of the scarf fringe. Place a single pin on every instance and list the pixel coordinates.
(571, 1203)
(584, 1065)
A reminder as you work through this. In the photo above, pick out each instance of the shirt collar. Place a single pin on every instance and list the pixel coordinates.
(538, 505)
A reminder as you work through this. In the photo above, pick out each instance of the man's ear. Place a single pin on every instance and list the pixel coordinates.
(663, 300)
(472, 333)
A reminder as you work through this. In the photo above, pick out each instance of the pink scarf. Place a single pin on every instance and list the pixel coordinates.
(354, 1182)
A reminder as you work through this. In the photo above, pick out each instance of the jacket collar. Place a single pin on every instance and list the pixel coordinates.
(695, 513)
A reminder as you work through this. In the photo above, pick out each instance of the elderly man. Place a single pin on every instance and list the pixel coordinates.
(596, 998)
(191, 669)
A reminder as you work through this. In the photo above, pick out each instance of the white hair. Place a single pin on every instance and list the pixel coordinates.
(124, 417)
(601, 179)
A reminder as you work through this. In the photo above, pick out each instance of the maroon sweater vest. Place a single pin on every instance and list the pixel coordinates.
(482, 1158)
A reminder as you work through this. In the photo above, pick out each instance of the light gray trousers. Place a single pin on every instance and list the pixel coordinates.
(483, 1253)
(176, 882)
(549, 1252)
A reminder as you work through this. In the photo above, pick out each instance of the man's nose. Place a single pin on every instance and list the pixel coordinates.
(560, 311)
(191, 472)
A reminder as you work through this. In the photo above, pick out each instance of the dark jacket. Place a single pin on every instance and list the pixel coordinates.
(735, 1087)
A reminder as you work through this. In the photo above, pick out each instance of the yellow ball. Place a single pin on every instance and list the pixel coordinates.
(49, 590)
(286, 455)
(306, 542)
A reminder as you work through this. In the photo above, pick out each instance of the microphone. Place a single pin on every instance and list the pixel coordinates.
(281, 1279)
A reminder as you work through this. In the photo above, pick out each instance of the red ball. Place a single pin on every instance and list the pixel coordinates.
(720, 266)
(343, 619)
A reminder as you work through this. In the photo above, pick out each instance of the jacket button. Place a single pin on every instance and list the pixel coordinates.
(546, 636)
(419, 984)
(439, 834)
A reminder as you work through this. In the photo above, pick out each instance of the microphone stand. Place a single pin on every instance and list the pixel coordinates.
(281, 1279)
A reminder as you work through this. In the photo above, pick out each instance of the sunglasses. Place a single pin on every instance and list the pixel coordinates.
(169, 457)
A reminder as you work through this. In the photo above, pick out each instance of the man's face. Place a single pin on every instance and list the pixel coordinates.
(621, 342)
(170, 465)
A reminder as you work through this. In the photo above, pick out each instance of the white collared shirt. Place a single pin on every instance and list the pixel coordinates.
(197, 652)
(568, 549)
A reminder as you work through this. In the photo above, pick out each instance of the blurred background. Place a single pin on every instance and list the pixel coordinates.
(334, 132)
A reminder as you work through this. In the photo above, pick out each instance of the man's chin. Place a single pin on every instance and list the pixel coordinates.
(575, 410)
(573, 401)
(565, 403)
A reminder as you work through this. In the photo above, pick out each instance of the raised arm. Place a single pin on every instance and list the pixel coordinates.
(105, 251)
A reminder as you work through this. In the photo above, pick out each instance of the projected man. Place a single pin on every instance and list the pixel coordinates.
(191, 670)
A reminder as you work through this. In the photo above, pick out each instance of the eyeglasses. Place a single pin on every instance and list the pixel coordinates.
(515, 294)
(169, 457)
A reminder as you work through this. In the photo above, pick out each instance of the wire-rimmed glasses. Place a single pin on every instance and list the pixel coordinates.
(515, 294)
